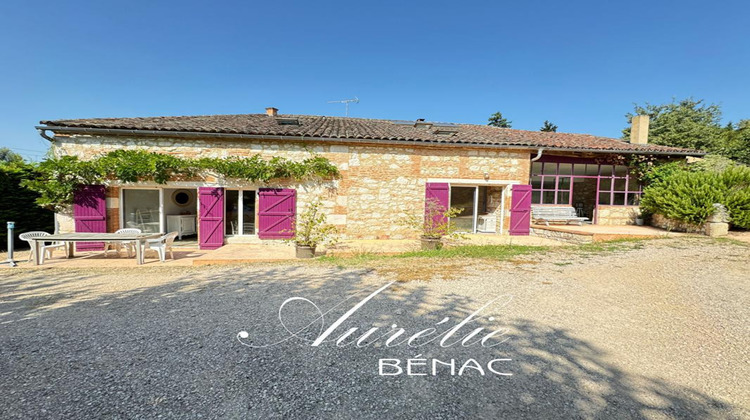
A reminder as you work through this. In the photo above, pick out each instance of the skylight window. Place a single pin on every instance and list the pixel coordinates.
(287, 121)
(421, 123)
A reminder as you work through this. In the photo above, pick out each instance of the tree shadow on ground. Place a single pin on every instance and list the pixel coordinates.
(172, 351)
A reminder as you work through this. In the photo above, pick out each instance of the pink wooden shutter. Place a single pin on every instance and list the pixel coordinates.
(211, 214)
(276, 213)
(90, 214)
(520, 210)
(438, 192)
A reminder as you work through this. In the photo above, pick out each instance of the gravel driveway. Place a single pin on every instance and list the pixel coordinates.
(660, 331)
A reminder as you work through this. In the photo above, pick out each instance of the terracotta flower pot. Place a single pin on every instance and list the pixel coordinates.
(305, 251)
(429, 244)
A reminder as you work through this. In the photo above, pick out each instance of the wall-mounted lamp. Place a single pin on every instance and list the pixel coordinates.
(486, 176)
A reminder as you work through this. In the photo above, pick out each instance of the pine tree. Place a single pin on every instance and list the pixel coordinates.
(548, 127)
(497, 120)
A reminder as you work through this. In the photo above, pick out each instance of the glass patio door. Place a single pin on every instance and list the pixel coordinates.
(464, 199)
(239, 216)
(141, 210)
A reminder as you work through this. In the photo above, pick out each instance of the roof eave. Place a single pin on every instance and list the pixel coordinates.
(200, 134)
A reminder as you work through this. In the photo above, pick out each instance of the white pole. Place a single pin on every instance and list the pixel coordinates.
(162, 217)
(240, 216)
(11, 228)
(502, 209)
(476, 209)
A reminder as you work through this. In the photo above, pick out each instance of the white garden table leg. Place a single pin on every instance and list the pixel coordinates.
(139, 251)
(38, 252)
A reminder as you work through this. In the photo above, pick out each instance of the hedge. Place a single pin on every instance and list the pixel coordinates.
(18, 204)
(688, 196)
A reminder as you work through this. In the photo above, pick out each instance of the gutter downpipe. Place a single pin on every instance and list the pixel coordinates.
(538, 155)
(43, 133)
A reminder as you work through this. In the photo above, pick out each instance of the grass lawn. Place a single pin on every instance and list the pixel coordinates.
(451, 262)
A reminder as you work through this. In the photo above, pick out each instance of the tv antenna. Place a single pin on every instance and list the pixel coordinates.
(346, 102)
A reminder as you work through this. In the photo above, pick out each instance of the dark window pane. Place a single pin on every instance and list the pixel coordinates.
(482, 191)
(621, 170)
(619, 184)
(606, 170)
(232, 216)
(536, 168)
(605, 184)
(592, 170)
(548, 197)
(248, 212)
(563, 183)
(549, 183)
(536, 182)
(563, 197)
(550, 168)
(634, 199)
(566, 168)
(536, 197)
(579, 169)
(619, 199)
(604, 198)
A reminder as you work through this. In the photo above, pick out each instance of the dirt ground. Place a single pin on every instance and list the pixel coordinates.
(649, 329)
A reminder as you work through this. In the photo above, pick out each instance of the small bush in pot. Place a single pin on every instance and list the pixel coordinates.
(311, 230)
(434, 225)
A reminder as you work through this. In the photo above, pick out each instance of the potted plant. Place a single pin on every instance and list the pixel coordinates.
(434, 225)
(311, 230)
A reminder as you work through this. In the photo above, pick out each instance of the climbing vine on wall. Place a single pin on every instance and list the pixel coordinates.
(57, 178)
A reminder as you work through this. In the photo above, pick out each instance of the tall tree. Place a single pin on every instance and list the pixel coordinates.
(8, 156)
(736, 142)
(548, 127)
(497, 120)
(688, 123)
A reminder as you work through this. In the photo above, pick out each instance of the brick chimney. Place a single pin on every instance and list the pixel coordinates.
(639, 130)
(271, 111)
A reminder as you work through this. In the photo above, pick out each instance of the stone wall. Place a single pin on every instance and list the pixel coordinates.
(562, 236)
(380, 184)
(617, 215)
(663, 222)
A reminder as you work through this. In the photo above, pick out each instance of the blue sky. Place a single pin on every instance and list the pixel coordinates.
(580, 64)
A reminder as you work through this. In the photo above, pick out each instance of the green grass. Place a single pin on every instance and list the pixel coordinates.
(489, 252)
(731, 241)
(447, 263)
(494, 252)
(609, 246)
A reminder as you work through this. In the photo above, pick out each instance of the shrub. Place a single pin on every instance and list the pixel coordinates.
(688, 196)
(737, 199)
(435, 223)
(311, 228)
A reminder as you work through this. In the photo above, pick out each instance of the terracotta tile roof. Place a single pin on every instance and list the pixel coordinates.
(368, 129)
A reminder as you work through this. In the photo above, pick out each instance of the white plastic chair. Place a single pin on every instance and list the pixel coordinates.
(162, 245)
(46, 249)
(118, 245)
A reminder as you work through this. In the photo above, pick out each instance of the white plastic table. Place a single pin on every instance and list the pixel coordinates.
(71, 238)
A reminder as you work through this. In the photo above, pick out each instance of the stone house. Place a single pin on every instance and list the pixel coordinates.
(388, 170)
